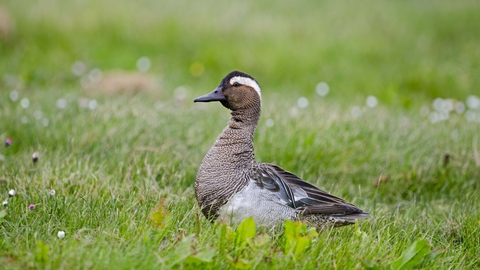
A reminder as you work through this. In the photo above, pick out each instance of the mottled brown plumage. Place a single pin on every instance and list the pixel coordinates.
(231, 185)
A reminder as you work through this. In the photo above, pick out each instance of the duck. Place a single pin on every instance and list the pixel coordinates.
(231, 185)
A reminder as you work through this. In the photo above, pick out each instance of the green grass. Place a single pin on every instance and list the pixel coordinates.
(112, 166)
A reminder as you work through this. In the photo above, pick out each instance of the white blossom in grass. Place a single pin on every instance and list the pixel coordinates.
(95, 75)
(51, 192)
(448, 105)
(473, 102)
(5, 203)
(438, 104)
(270, 122)
(61, 103)
(302, 102)
(11, 192)
(322, 89)
(459, 107)
(25, 103)
(143, 64)
(443, 115)
(92, 104)
(61, 234)
(434, 117)
(14, 95)
(78, 68)
(470, 115)
(372, 101)
(35, 157)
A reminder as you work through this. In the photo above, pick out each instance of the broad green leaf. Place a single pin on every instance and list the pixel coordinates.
(412, 256)
(182, 250)
(289, 244)
(185, 252)
(312, 232)
(230, 233)
(301, 245)
(294, 228)
(202, 256)
(246, 230)
(226, 237)
(297, 239)
(289, 227)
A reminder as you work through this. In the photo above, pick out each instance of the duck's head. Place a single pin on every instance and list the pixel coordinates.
(237, 91)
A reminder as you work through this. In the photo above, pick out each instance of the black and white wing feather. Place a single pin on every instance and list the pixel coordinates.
(303, 196)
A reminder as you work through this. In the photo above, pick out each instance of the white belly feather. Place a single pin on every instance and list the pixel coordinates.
(263, 205)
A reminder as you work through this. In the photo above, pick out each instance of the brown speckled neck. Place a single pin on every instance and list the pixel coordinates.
(226, 164)
(236, 141)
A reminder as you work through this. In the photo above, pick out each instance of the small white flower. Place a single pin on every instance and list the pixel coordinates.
(61, 103)
(14, 95)
(459, 107)
(270, 122)
(25, 103)
(92, 104)
(61, 234)
(302, 102)
(51, 192)
(78, 68)
(372, 101)
(11, 192)
(35, 157)
(439, 104)
(473, 102)
(95, 75)
(5, 203)
(144, 64)
(322, 89)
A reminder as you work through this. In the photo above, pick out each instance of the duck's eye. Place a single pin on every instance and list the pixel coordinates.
(236, 84)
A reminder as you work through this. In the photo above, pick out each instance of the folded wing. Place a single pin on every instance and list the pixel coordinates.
(303, 196)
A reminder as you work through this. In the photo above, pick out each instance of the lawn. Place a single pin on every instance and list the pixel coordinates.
(397, 134)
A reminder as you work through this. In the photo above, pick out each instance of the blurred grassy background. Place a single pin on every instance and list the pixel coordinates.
(113, 158)
(400, 51)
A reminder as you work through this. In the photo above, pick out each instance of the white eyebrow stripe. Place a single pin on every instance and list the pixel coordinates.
(248, 82)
